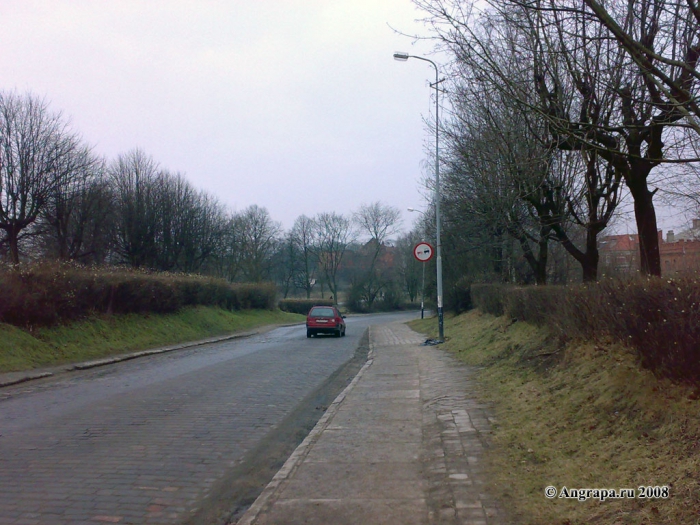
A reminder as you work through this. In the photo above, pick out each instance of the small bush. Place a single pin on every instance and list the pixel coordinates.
(355, 301)
(390, 301)
(459, 297)
(488, 297)
(255, 296)
(533, 304)
(302, 306)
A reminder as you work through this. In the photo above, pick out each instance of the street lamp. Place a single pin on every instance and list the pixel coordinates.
(422, 288)
(402, 57)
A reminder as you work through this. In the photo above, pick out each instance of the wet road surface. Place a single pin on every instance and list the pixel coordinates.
(153, 439)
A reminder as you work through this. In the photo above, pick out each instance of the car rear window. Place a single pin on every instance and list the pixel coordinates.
(321, 312)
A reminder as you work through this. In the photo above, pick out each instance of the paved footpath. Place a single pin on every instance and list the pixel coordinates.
(401, 445)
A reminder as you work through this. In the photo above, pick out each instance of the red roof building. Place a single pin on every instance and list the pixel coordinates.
(680, 254)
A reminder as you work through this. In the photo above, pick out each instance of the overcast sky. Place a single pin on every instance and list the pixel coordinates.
(294, 105)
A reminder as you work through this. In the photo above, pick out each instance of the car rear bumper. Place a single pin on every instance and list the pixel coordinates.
(324, 329)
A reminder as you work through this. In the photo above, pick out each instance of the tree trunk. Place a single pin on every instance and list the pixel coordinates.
(541, 272)
(538, 267)
(14, 249)
(590, 267)
(13, 242)
(645, 216)
(589, 263)
(498, 254)
(588, 259)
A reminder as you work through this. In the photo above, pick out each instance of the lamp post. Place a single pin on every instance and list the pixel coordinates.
(402, 57)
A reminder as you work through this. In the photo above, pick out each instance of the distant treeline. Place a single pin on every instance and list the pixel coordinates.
(59, 201)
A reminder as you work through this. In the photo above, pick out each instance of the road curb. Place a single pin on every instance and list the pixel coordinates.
(24, 379)
(269, 493)
(127, 357)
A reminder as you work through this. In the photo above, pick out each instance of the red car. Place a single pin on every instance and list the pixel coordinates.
(325, 320)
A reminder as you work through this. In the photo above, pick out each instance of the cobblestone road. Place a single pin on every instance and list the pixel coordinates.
(144, 441)
(403, 445)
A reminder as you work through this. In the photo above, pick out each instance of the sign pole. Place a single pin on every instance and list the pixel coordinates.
(423, 252)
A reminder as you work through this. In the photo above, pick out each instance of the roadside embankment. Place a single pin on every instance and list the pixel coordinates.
(102, 336)
(57, 313)
(580, 415)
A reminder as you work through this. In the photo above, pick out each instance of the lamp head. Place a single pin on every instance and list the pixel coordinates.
(401, 56)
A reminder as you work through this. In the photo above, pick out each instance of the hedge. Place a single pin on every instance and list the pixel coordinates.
(42, 295)
(302, 306)
(658, 317)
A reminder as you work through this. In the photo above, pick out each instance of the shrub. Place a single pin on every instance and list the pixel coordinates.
(488, 297)
(459, 297)
(302, 306)
(658, 318)
(260, 296)
(46, 294)
(390, 301)
(355, 301)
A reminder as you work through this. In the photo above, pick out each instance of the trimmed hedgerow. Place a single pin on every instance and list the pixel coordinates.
(47, 294)
(302, 306)
(488, 298)
(659, 318)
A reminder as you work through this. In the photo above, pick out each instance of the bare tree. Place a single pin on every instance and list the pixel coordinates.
(133, 178)
(228, 258)
(379, 222)
(285, 265)
(499, 171)
(35, 146)
(592, 92)
(202, 232)
(410, 270)
(259, 236)
(334, 235)
(303, 236)
(75, 223)
(188, 227)
(575, 189)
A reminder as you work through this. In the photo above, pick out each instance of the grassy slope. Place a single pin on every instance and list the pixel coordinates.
(100, 337)
(582, 416)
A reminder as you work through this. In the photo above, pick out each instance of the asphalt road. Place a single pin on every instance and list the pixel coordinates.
(188, 436)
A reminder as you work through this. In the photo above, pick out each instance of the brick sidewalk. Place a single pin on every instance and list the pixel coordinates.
(401, 445)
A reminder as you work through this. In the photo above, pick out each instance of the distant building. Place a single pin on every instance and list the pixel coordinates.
(679, 253)
(618, 255)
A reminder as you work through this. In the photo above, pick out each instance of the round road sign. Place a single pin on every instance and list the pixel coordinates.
(423, 251)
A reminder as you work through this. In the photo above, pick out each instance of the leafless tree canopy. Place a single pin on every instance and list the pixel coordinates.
(334, 236)
(378, 222)
(616, 83)
(37, 152)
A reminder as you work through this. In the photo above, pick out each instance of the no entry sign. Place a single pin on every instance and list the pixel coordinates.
(423, 251)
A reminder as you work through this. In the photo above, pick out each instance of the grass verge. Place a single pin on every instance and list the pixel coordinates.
(101, 337)
(580, 415)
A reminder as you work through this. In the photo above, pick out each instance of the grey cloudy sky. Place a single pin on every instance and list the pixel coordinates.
(295, 105)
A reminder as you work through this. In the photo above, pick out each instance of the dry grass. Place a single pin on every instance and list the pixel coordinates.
(581, 416)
